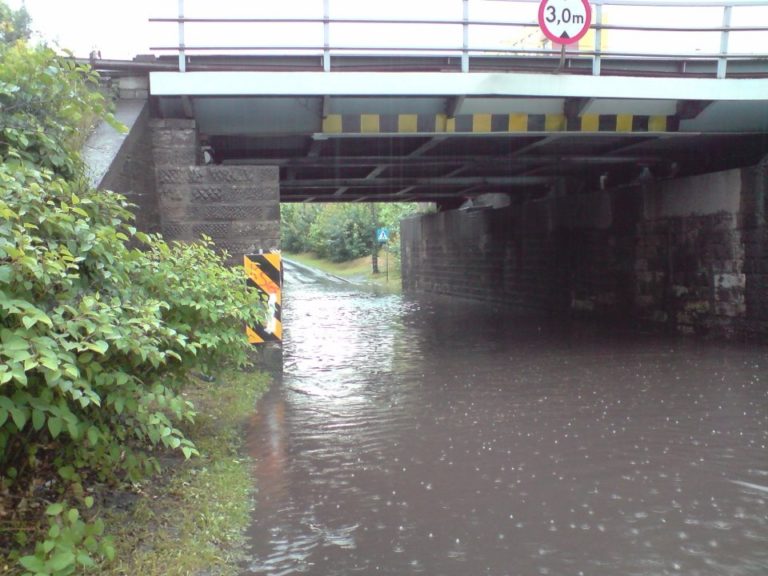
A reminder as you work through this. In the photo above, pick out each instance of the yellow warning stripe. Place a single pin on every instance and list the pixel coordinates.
(369, 123)
(484, 123)
(253, 338)
(590, 122)
(481, 122)
(265, 283)
(275, 336)
(408, 123)
(657, 124)
(275, 259)
(332, 124)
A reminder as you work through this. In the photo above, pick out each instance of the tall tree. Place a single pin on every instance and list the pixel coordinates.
(14, 24)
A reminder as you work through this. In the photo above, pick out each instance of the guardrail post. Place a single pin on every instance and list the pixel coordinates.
(465, 37)
(598, 39)
(722, 62)
(182, 54)
(326, 35)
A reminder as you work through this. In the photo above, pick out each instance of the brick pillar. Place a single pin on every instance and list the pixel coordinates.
(237, 206)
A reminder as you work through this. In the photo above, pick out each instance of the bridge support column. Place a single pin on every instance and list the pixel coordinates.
(755, 236)
(238, 207)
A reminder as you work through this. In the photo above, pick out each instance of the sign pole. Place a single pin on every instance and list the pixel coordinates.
(562, 58)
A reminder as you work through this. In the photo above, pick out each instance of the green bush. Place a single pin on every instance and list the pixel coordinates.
(342, 232)
(296, 220)
(99, 324)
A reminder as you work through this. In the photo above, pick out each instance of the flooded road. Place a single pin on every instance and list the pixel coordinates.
(415, 437)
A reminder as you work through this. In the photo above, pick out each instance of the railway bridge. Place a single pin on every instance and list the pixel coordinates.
(620, 176)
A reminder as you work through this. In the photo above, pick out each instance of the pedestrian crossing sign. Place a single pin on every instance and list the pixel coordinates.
(382, 235)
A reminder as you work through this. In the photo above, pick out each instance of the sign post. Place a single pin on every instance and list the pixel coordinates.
(564, 21)
(382, 235)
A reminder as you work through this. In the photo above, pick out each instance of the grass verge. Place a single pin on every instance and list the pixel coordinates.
(191, 521)
(359, 270)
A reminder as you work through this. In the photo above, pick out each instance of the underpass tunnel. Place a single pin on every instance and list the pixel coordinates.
(632, 210)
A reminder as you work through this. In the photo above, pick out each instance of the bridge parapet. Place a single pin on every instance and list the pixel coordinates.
(706, 36)
(474, 102)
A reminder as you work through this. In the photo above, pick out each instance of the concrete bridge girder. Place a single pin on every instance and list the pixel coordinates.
(529, 128)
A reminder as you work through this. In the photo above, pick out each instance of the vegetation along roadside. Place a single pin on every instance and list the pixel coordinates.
(343, 239)
(101, 330)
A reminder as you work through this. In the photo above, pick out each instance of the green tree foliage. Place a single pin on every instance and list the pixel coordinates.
(46, 104)
(97, 336)
(295, 223)
(340, 232)
(14, 24)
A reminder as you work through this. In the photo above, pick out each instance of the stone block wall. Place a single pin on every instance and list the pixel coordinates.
(238, 207)
(690, 255)
(481, 255)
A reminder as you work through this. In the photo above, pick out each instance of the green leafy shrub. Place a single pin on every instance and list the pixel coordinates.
(99, 324)
(342, 232)
(46, 105)
(296, 220)
(70, 544)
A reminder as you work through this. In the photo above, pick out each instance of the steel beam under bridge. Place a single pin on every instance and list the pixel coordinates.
(397, 136)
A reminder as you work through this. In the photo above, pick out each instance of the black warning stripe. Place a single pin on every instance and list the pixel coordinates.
(261, 332)
(267, 268)
(278, 308)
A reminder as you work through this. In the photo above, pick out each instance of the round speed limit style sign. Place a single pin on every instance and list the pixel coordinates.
(564, 21)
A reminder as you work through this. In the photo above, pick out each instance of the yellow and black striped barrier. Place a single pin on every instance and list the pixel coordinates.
(264, 272)
(491, 123)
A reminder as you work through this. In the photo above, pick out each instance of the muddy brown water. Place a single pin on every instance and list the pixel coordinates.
(417, 437)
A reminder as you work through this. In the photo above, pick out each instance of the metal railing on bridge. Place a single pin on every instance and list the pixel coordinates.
(720, 32)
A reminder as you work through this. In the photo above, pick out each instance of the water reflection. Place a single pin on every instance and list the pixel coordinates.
(418, 437)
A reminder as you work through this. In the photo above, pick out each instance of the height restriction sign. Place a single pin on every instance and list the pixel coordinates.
(564, 21)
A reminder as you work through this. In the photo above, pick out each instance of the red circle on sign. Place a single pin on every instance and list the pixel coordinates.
(560, 39)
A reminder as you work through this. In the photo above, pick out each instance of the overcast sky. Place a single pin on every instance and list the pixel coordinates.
(120, 30)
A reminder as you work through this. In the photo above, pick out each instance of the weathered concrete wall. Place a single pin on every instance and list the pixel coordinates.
(754, 236)
(123, 162)
(501, 256)
(237, 206)
(688, 254)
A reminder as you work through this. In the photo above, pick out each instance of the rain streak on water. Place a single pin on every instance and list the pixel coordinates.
(419, 437)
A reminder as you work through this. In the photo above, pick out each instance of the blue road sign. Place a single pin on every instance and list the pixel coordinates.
(382, 235)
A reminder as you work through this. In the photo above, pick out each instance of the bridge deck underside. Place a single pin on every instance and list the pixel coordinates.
(394, 139)
(428, 168)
